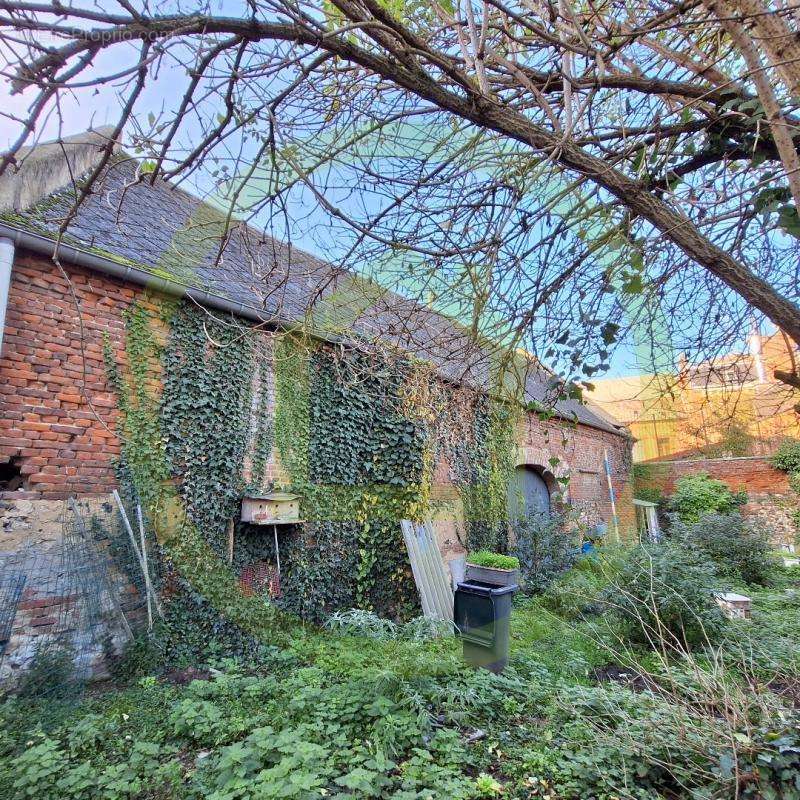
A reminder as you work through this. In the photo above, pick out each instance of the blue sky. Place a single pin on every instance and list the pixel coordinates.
(101, 107)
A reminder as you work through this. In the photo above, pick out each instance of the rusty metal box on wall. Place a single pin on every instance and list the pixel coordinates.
(272, 508)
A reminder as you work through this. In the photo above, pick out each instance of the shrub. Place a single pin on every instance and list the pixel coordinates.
(485, 558)
(424, 629)
(572, 595)
(696, 495)
(575, 593)
(787, 456)
(143, 655)
(739, 548)
(664, 596)
(546, 545)
(51, 674)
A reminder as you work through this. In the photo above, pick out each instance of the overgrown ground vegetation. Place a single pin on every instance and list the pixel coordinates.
(625, 680)
(610, 693)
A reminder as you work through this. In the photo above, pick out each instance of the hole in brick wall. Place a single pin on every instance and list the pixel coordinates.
(11, 477)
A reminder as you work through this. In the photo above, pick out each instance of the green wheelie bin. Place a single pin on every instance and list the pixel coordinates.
(482, 613)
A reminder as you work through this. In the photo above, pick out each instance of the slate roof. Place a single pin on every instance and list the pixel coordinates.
(170, 233)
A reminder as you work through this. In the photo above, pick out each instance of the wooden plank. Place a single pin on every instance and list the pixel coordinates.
(142, 566)
(428, 608)
(429, 571)
(438, 572)
(413, 554)
(441, 567)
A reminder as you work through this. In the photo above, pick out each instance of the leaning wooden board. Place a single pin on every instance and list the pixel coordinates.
(430, 573)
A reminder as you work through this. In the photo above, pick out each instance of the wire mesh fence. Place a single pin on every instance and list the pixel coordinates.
(70, 603)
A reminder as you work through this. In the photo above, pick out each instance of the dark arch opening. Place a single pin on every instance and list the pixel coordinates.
(529, 492)
(11, 477)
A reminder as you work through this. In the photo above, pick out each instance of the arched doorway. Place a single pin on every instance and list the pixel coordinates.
(528, 493)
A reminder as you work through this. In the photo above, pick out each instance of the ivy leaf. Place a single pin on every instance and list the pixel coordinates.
(789, 220)
(609, 332)
(633, 284)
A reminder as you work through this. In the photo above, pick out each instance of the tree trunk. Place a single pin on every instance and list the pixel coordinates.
(777, 40)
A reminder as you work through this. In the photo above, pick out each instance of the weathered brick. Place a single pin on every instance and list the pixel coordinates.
(40, 622)
(73, 430)
(45, 379)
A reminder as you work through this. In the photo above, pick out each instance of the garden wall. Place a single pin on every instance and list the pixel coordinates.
(769, 495)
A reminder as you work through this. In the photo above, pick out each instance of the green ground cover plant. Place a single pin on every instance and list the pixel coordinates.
(485, 558)
(362, 709)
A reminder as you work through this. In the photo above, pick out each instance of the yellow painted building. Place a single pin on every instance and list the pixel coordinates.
(731, 406)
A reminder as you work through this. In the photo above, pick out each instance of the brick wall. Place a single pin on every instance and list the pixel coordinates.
(57, 420)
(768, 492)
(753, 474)
(57, 411)
(581, 451)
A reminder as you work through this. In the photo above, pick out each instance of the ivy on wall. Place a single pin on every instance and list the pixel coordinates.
(475, 434)
(361, 437)
(357, 461)
(648, 481)
(205, 416)
(358, 432)
(143, 464)
(484, 485)
(196, 429)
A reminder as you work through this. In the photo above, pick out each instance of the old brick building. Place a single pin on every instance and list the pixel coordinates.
(136, 244)
(730, 406)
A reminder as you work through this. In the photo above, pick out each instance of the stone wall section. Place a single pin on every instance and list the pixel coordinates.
(62, 594)
(777, 512)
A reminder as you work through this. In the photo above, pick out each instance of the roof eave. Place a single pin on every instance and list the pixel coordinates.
(142, 277)
(49, 247)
